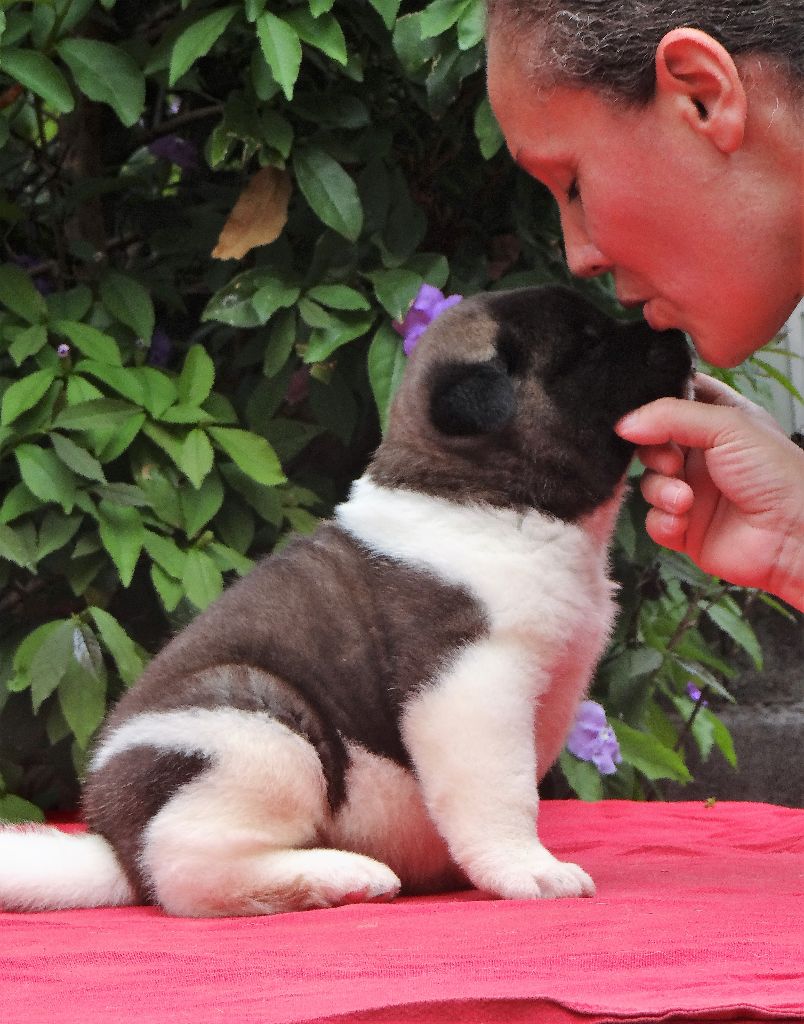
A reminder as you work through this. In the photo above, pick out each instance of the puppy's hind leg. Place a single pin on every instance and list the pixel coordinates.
(242, 838)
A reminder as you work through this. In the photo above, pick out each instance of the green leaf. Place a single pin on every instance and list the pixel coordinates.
(124, 380)
(779, 377)
(227, 559)
(27, 342)
(24, 394)
(266, 501)
(127, 301)
(196, 457)
(723, 741)
(122, 533)
(16, 810)
(346, 327)
(186, 414)
(386, 366)
(441, 15)
(339, 296)
(732, 623)
(412, 50)
(17, 502)
(15, 547)
(82, 690)
(199, 506)
(96, 414)
(167, 442)
(107, 74)
(396, 290)
(387, 10)
(77, 458)
(56, 531)
(169, 590)
(119, 644)
(166, 553)
(39, 74)
(322, 32)
(274, 296)
(197, 40)
(329, 190)
(582, 776)
(282, 50)
(158, 390)
(89, 341)
(251, 453)
(202, 579)
(197, 377)
(487, 131)
(249, 299)
(46, 476)
(50, 661)
(648, 755)
(17, 293)
(281, 341)
(472, 25)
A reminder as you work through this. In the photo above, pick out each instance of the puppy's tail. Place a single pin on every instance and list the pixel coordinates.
(45, 869)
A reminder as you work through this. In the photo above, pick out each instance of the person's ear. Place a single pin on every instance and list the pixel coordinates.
(468, 399)
(696, 72)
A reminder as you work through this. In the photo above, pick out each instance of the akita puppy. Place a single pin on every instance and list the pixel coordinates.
(370, 710)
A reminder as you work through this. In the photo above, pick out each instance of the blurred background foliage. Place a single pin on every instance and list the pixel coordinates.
(167, 415)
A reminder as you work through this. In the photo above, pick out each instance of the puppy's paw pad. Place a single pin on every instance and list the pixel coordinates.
(352, 878)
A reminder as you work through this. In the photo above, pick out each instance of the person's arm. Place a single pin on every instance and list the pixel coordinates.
(726, 486)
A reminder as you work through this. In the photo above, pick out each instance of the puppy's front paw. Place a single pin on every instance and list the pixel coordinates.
(534, 875)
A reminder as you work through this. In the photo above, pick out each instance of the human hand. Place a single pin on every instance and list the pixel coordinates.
(726, 486)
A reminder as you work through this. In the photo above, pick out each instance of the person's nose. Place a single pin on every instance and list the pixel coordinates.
(584, 259)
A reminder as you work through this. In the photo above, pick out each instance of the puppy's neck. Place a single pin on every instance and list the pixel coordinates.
(409, 521)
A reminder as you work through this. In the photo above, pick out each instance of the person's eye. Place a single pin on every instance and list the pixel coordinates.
(573, 192)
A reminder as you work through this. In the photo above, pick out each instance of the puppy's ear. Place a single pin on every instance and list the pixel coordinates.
(472, 398)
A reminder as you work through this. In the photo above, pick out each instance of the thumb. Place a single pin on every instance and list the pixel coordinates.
(690, 424)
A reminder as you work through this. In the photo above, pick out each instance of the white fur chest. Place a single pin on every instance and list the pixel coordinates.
(541, 582)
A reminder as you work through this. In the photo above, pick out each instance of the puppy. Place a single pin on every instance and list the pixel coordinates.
(369, 711)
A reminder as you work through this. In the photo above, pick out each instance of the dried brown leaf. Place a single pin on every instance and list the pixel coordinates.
(258, 217)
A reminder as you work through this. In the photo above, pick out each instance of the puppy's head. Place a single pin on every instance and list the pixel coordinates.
(512, 398)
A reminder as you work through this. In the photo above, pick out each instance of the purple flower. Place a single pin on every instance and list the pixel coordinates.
(160, 348)
(428, 304)
(695, 694)
(175, 149)
(63, 351)
(593, 739)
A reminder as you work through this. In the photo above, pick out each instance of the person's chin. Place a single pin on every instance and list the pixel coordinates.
(720, 348)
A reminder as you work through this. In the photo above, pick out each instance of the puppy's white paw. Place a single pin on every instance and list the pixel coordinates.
(353, 878)
(534, 875)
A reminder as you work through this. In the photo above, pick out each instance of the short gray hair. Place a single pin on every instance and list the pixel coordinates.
(612, 46)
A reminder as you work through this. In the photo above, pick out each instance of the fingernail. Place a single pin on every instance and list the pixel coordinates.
(671, 496)
(623, 425)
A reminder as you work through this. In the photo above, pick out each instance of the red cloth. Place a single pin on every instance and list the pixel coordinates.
(698, 916)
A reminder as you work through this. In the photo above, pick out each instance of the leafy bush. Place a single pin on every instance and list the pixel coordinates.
(167, 415)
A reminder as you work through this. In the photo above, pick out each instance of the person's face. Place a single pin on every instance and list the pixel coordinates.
(701, 238)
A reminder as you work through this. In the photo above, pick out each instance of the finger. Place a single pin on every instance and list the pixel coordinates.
(710, 391)
(690, 424)
(667, 530)
(667, 494)
(667, 459)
